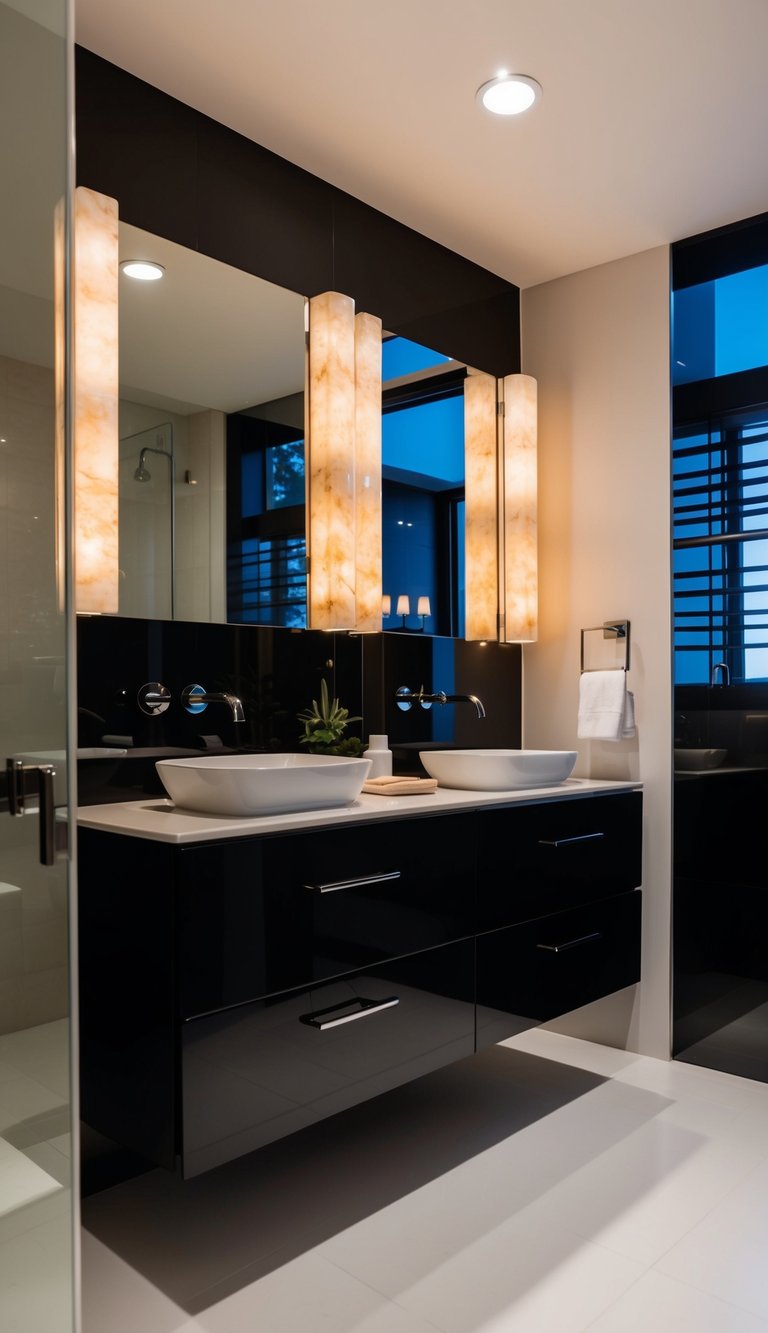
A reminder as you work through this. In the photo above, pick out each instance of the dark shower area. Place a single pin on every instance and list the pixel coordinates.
(720, 581)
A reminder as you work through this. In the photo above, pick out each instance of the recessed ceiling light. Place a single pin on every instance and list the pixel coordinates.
(146, 270)
(508, 94)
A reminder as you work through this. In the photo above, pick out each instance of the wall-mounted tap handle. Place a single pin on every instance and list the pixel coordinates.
(154, 698)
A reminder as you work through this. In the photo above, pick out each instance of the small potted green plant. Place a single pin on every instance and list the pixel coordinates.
(324, 727)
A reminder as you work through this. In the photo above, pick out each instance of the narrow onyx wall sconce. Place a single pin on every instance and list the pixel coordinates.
(95, 324)
(344, 466)
(481, 506)
(500, 498)
(519, 510)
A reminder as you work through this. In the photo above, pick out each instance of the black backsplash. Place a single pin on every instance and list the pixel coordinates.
(276, 673)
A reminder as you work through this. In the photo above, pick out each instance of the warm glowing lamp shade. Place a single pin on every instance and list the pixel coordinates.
(331, 462)
(481, 507)
(519, 510)
(95, 274)
(344, 466)
(368, 596)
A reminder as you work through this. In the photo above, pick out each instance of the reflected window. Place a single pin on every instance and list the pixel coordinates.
(266, 543)
(422, 498)
(720, 506)
(720, 327)
(423, 485)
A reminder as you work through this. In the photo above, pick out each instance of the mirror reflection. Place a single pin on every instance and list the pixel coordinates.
(212, 512)
(204, 342)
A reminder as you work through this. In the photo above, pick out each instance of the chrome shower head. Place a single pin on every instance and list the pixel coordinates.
(142, 472)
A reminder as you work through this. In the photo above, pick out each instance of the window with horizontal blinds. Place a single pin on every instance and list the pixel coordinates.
(720, 565)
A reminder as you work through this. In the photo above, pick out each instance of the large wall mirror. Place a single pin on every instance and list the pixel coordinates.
(212, 516)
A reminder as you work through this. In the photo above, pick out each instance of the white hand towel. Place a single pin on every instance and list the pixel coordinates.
(606, 707)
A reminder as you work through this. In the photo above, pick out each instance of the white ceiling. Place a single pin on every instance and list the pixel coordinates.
(652, 125)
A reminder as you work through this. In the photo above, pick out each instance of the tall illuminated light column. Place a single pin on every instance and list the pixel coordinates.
(331, 462)
(520, 560)
(94, 287)
(368, 590)
(481, 507)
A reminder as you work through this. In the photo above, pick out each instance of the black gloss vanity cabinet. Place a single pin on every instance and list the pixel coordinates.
(233, 992)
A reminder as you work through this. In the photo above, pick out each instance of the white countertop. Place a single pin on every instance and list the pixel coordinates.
(160, 820)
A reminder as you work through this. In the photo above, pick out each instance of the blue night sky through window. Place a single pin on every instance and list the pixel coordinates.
(720, 327)
(721, 485)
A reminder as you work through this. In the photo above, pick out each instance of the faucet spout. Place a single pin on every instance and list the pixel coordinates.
(465, 699)
(726, 670)
(405, 699)
(193, 696)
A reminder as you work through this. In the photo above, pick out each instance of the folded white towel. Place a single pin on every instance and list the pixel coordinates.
(606, 706)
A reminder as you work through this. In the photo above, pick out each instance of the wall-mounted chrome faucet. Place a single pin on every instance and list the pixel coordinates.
(405, 699)
(726, 670)
(196, 699)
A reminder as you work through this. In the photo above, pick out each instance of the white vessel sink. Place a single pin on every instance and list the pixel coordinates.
(696, 761)
(498, 770)
(262, 784)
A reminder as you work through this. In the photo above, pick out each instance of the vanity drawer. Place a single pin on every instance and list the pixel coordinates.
(544, 858)
(530, 973)
(326, 902)
(261, 1071)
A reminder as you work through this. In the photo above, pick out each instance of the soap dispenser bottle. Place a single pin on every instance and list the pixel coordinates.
(380, 756)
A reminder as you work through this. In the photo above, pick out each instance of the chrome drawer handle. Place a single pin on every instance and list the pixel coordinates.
(565, 842)
(571, 944)
(367, 1007)
(362, 882)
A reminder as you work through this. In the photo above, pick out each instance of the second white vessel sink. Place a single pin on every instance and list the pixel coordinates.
(498, 770)
(262, 784)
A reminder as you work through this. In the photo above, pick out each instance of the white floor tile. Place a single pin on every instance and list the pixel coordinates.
(42, 1053)
(644, 1194)
(309, 1293)
(305, 1295)
(117, 1299)
(517, 1280)
(725, 1254)
(598, 1165)
(22, 1181)
(674, 1078)
(51, 1160)
(23, 1097)
(36, 1279)
(572, 1051)
(659, 1304)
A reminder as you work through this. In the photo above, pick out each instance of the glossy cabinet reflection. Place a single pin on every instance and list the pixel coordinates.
(235, 991)
(258, 1072)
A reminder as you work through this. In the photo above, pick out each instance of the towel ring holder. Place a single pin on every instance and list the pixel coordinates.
(610, 629)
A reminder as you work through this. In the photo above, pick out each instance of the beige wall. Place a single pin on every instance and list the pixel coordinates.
(598, 343)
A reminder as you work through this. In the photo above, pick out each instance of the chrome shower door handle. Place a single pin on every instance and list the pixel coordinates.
(23, 781)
